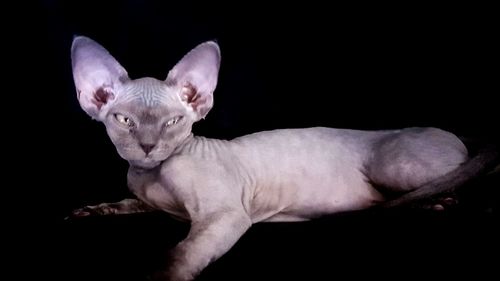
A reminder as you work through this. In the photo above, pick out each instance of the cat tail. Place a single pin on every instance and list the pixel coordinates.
(486, 157)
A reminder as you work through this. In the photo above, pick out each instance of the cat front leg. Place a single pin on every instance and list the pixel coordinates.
(126, 206)
(209, 238)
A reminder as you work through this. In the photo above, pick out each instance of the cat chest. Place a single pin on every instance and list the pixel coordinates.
(150, 190)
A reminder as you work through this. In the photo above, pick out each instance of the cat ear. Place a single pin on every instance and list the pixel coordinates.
(196, 77)
(97, 75)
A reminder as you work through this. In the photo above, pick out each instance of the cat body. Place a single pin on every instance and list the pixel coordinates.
(286, 175)
(224, 186)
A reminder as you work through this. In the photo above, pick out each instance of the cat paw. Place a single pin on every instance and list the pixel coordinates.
(91, 211)
(441, 203)
(445, 203)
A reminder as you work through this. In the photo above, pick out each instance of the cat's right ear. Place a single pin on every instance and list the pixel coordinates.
(97, 75)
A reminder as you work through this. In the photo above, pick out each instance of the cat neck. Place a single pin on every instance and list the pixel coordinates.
(187, 140)
(203, 147)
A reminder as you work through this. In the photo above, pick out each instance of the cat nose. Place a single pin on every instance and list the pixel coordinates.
(147, 147)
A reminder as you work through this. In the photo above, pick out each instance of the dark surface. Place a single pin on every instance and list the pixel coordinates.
(361, 67)
(382, 245)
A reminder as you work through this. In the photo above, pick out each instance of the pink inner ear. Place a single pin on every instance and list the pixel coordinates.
(101, 97)
(190, 96)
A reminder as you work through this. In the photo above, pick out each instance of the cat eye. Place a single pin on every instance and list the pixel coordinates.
(124, 120)
(173, 121)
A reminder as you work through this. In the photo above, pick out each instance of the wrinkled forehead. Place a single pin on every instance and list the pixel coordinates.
(148, 92)
(135, 107)
(149, 99)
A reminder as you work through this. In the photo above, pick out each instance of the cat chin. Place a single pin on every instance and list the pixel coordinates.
(144, 164)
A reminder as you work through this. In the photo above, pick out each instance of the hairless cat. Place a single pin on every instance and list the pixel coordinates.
(222, 187)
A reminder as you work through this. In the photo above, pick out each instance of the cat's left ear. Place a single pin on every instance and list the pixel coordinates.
(195, 77)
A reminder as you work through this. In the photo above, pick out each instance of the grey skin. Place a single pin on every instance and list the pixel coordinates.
(223, 187)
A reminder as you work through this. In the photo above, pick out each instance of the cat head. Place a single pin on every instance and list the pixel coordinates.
(145, 118)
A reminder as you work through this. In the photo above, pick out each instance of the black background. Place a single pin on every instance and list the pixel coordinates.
(294, 65)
